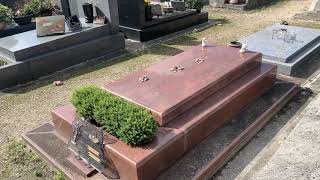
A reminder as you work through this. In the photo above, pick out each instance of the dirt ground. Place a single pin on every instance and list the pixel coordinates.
(25, 108)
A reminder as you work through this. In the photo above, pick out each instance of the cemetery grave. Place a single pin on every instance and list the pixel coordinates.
(288, 47)
(192, 95)
(31, 56)
(143, 20)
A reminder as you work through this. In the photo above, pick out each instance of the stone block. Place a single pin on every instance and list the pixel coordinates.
(40, 56)
(135, 26)
(108, 7)
(178, 137)
(199, 163)
(285, 46)
(181, 90)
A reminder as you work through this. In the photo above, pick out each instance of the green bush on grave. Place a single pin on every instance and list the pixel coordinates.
(85, 98)
(130, 123)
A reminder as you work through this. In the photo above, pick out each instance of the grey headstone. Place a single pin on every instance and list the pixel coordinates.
(108, 7)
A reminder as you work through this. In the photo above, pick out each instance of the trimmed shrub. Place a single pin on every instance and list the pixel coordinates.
(109, 112)
(85, 98)
(130, 123)
(137, 131)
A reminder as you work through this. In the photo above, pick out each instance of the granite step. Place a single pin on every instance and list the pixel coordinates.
(186, 131)
(202, 162)
(168, 94)
(26, 45)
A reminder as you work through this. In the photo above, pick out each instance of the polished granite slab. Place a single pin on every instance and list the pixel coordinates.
(204, 71)
(275, 46)
(32, 57)
(20, 47)
(285, 46)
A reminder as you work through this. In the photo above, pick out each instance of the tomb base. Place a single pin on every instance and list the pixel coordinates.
(17, 29)
(164, 28)
(210, 155)
(288, 47)
(30, 57)
(213, 85)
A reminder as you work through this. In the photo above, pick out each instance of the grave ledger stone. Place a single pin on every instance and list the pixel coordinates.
(288, 47)
(191, 95)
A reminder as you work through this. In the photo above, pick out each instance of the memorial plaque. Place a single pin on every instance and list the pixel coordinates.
(88, 144)
(50, 25)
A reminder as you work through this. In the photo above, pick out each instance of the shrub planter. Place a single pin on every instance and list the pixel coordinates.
(128, 122)
(22, 20)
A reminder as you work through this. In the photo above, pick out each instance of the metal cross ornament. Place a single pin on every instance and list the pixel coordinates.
(176, 68)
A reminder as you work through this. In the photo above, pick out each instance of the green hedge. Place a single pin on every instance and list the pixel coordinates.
(132, 124)
(85, 98)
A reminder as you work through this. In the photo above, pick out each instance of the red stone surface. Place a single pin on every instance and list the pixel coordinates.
(212, 153)
(168, 94)
(184, 132)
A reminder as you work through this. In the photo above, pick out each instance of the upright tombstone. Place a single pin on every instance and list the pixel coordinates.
(136, 23)
(105, 7)
(285, 46)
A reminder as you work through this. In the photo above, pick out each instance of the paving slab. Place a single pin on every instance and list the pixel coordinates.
(298, 157)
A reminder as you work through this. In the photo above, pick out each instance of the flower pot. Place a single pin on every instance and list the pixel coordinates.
(22, 20)
(3, 25)
(234, 1)
(88, 12)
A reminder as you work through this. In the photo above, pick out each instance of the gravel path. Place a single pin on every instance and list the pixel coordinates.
(28, 107)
